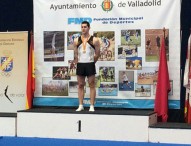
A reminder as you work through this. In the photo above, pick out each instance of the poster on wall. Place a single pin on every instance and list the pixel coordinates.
(130, 39)
(13, 71)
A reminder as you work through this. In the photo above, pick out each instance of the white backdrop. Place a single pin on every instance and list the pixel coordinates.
(141, 19)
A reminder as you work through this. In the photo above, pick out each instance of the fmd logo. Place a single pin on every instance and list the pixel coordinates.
(79, 20)
(107, 5)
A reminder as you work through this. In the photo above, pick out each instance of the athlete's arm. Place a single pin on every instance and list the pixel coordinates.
(97, 49)
(75, 50)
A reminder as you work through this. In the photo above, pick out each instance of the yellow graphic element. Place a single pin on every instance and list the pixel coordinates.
(4, 65)
(107, 5)
(33, 65)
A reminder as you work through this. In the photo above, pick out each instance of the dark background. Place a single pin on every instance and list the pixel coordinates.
(17, 15)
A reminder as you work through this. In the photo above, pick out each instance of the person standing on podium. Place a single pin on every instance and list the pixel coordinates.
(86, 54)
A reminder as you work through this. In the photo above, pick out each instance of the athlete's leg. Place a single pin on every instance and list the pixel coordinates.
(91, 81)
(128, 85)
(81, 83)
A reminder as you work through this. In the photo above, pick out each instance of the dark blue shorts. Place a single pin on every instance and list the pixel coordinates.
(86, 69)
(125, 82)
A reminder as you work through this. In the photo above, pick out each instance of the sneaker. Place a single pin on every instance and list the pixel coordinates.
(80, 108)
(91, 108)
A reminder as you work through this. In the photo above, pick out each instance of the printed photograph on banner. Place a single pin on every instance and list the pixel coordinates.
(73, 87)
(70, 39)
(127, 51)
(97, 81)
(121, 52)
(153, 40)
(53, 45)
(108, 90)
(134, 63)
(60, 73)
(72, 68)
(147, 75)
(107, 45)
(107, 74)
(131, 37)
(155, 85)
(126, 80)
(142, 90)
(54, 87)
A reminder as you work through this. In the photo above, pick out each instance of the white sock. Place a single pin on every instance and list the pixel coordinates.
(80, 108)
(91, 108)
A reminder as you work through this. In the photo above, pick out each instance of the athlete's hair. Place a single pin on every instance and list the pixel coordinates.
(86, 22)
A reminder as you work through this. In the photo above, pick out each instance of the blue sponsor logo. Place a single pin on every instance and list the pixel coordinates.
(6, 64)
(79, 20)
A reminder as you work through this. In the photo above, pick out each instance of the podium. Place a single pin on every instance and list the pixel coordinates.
(177, 133)
(103, 124)
(8, 124)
